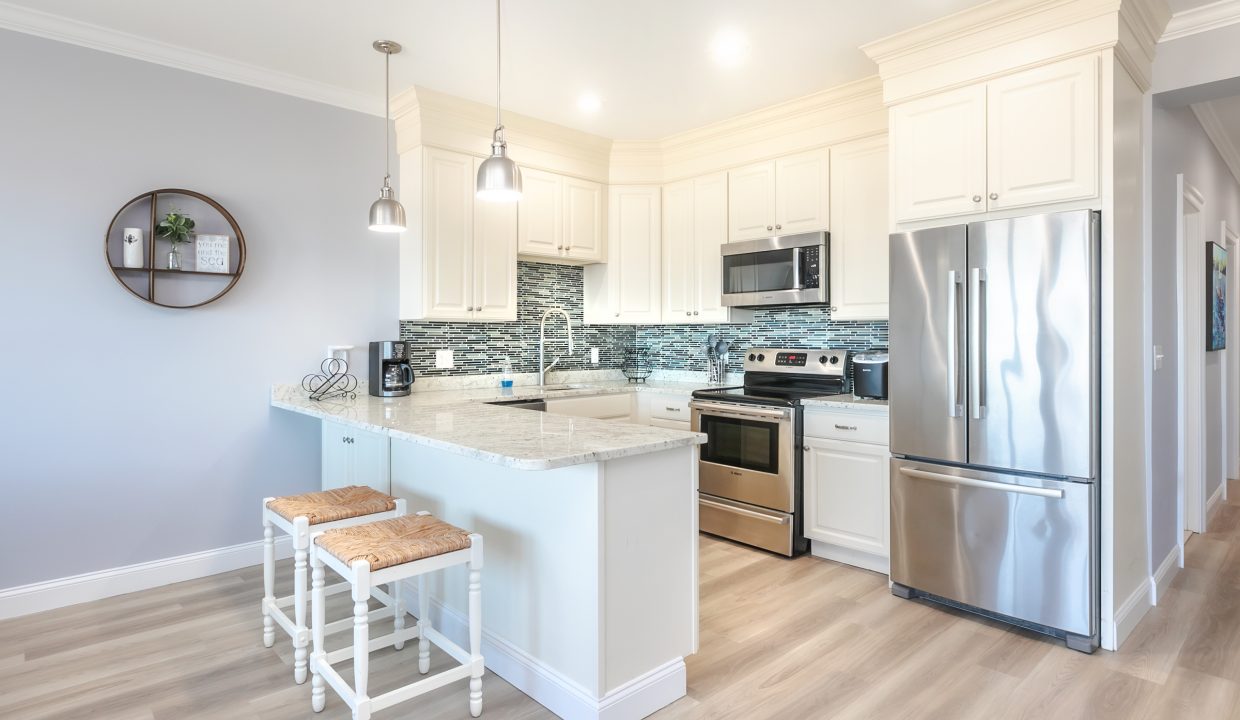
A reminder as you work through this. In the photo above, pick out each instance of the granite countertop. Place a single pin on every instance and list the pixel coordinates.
(847, 401)
(460, 421)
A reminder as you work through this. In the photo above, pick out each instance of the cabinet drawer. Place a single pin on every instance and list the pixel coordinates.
(669, 407)
(844, 425)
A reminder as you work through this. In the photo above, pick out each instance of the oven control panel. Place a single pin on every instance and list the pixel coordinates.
(797, 360)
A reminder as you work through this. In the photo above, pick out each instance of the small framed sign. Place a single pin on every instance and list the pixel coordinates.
(212, 253)
(1216, 299)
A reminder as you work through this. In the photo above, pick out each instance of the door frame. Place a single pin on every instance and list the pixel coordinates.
(1230, 239)
(1190, 481)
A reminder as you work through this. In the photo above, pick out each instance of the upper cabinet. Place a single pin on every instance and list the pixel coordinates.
(626, 288)
(458, 257)
(1029, 138)
(859, 237)
(560, 219)
(695, 226)
(780, 197)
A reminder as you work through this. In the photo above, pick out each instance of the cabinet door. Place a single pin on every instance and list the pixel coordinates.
(938, 155)
(1042, 135)
(679, 271)
(710, 232)
(540, 216)
(859, 230)
(495, 259)
(336, 458)
(351, 456)
(583, 220)
(803, 192)
(448, 227)
(751, 202)
(634, 254)
(846, 487)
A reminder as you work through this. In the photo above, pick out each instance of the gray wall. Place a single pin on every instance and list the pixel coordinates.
(132, 432)
(1181, 146)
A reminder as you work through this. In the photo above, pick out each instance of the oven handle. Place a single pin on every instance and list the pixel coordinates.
(741, 412)
(781, 520)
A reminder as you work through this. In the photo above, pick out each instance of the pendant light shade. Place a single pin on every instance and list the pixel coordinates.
(499, 178)
(386, 214)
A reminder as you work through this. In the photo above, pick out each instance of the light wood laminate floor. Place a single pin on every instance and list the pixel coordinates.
(785, 639)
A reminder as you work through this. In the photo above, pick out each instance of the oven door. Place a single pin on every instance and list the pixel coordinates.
(749, 455)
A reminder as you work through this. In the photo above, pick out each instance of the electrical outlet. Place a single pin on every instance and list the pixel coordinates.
(594, 355)
(443, 359)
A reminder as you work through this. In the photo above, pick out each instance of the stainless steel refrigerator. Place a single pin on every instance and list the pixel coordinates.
(994, 395)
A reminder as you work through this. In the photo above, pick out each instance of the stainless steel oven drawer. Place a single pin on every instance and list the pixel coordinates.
(1015, 545)
(749, 524)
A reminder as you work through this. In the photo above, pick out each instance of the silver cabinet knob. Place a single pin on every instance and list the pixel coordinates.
(617, 314)
(779, 227)
(977, 198)
(994, 196)
(768, 227)
(695, 312)
(687, 313)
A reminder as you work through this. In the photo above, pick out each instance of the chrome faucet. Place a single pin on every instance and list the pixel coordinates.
(542, 342)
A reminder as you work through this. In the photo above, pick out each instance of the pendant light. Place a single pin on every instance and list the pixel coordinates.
(386, 214)
(499, 178)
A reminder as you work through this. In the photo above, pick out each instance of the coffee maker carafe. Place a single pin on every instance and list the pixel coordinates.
(391, 374)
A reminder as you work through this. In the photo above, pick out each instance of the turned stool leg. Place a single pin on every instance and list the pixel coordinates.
(361, 638)
(398, 608)
(301, 546)
(269, 579)
(475, 625)
(318, 616)
(424, 624)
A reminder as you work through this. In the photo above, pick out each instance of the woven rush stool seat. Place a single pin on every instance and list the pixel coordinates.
(394, 542)
(333, 505)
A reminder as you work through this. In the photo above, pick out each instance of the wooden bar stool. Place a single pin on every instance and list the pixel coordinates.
(390, 551)
(295, 515)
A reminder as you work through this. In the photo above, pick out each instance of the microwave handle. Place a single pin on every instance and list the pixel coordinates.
(797, 284)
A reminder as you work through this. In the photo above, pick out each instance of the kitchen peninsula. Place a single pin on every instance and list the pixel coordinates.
(590, 584)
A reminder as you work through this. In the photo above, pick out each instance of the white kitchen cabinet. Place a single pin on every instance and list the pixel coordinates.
(1029, 138)
(938, 150)
(784, 196)
(560, 219)
(458, 257)
(695, 226)
(663, 409)
(616, 406)
(626, 288)
(355, 457)
(1042, 135)
(859, 230)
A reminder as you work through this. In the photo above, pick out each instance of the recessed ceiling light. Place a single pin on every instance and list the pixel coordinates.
(730, 47)
(589, 103)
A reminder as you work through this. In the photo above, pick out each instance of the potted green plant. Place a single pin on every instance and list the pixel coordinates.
(176, 226)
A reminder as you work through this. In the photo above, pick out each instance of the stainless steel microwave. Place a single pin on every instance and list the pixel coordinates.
(783, 270)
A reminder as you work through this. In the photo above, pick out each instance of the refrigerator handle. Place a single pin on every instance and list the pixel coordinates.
(954, 407)
(977, 404)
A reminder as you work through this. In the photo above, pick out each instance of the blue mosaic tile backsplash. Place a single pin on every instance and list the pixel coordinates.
(481, 347)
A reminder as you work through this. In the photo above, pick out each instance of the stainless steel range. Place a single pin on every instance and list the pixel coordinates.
(749, 470)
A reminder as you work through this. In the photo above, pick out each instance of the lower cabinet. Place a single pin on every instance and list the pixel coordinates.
(617, 406)
(355, 457)
(847, 511)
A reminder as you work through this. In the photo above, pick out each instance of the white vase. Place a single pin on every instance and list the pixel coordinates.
(131, 240)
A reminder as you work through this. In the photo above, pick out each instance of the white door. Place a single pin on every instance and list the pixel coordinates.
(495, 259)
(859, 230)
(679, 271)
(634, 255)
(1042, 129)
(710, 232)
(351, 456)
(751, 202)
(938, 155)
(336, 458)
(540, 216)
(803, 192)
(846, 494)
(447, 224)
(583, 220)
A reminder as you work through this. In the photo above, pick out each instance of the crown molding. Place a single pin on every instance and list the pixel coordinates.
(1141, 24)
(1201, 19)
(62, 29)
(1216, 130)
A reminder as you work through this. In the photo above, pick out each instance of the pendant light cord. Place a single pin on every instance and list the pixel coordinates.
(498, 65)
(387, 116)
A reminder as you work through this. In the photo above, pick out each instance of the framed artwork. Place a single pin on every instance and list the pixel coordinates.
(1216, 299)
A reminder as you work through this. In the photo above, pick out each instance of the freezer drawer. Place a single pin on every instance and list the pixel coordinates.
(746, 523)
(1019, 546)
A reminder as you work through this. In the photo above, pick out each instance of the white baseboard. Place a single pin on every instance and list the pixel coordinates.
(52, 594)
(1213, 504)
(1163, 575)
(849, 556)
(1128, 615)
(635, 699)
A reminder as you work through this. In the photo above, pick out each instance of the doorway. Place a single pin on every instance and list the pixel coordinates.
(1190, 261)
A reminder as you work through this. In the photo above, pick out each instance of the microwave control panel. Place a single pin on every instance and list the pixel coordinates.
(811, 266)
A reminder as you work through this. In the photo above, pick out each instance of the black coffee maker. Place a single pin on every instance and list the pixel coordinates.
(391, 375)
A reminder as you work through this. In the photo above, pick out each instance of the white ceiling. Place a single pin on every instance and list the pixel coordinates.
(647, 59)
